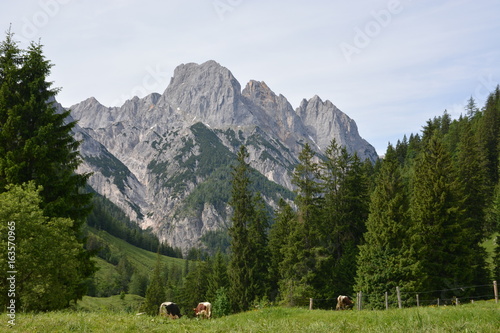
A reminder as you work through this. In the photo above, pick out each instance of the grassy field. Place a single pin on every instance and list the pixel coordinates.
(481, 317)
(141, 259)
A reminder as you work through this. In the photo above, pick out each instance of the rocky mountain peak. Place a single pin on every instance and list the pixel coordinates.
(208, 92)
(325, 121)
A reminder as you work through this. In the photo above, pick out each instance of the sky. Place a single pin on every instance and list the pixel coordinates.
(390, 65)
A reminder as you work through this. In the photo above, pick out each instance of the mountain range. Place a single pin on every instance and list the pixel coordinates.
(165, 159)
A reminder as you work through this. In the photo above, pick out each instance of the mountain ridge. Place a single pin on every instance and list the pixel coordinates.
(149, 155)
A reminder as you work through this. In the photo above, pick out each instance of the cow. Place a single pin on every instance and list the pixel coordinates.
(344, 303)
(203, 309)
(170, 309)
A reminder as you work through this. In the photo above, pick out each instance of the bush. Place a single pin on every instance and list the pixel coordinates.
(221, 306)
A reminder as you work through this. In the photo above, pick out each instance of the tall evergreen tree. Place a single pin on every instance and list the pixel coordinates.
(218, 276)
(258, 243)
(155, 293)
(473, 180)
(278, 239)
(487, 131)
(301, 254)
(240, 262)
(436, 212)
(36, 142)
(345, 210)
(382, 264)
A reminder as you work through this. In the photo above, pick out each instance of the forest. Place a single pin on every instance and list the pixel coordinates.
(416, 219)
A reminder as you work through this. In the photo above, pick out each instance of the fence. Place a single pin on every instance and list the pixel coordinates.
(401, 298)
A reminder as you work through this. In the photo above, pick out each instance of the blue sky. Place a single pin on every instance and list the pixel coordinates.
(389, 65)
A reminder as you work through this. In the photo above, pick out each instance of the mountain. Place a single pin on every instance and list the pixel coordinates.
(166, 159)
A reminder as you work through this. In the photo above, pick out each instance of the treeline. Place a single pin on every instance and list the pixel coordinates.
(416, 219)
(435, 202)
(106, 216)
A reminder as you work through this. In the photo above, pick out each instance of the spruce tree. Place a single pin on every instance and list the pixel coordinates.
(487, 131)
(36, 142)
(278, 239)
(345, 210)
(303, 249)
(436, 212)
(382, 264)
(258, 243)
(155, 293)
(240, 263)
(218, 276)
(473, 189)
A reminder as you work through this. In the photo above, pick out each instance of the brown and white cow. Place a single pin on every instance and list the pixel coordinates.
(203, 310)
(170, 309)
(344, 303)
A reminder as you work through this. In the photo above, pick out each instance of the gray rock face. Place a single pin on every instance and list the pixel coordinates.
(156, 157)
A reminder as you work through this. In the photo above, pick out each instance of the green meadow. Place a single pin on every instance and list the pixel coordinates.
(117, 315)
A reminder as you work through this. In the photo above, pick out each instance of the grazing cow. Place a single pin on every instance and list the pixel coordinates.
(204, 309)
(170, 309)
(344, 303)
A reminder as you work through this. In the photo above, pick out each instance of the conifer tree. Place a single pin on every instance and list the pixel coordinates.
(344, 213)
(382, 264)
(278, 239)
(36, 142)
(436, 212)
(218, 276)
(301, 254)
(155, 293)
(258, 243)
(487, 131)
(241, 261)
(473, 189)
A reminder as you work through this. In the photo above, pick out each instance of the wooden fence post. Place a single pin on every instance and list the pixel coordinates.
(495, 290)
(386, 301)
(438, 302)
(310, 303)
(359, 300)
(399, 297)
(418, 303)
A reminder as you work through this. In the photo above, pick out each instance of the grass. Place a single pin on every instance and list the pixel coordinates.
(128, 304)
(481, 317)
(142, 260)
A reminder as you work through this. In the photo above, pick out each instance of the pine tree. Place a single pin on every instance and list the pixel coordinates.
(345, 210)
(36, 143)
(240, 262)
(278, 239)
(301, 254)
(381, 263)
(155, 293)
(487, 131)
(218, 276)
(258, 243)
(436, 212)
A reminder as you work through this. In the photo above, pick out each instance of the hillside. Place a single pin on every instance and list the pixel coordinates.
(166, 159)
(119, 263)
